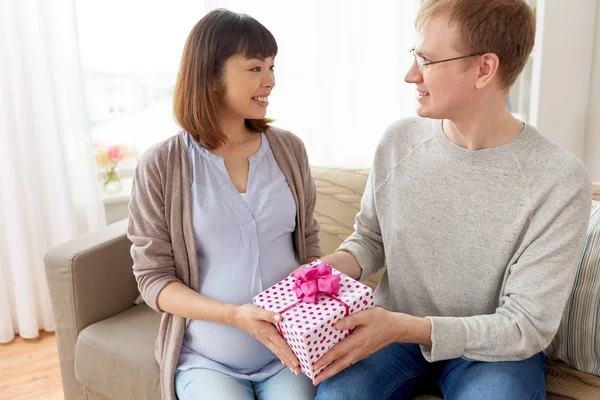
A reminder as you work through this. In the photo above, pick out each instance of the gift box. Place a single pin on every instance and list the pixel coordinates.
(310, 301)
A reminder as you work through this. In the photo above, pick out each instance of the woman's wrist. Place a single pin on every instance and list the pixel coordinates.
(230, 314)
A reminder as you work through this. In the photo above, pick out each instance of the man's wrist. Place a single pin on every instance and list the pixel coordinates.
(344, 262)
(424, 331)
(411, 329)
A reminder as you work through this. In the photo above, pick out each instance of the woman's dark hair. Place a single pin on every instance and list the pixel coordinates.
(219, 35)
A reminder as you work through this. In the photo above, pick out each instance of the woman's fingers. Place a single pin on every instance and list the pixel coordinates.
(285, 350)
(268, 316)
(265, 331)
(280, 348)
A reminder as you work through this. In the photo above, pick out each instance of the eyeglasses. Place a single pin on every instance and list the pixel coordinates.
(421, 63)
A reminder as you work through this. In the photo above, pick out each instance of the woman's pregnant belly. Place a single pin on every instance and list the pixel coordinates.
(225, 345)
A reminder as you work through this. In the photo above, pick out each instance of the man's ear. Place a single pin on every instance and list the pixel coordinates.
(489, 65)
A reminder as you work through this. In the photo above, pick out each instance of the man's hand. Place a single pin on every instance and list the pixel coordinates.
(298, 269)
(308, 261)
(374, 329)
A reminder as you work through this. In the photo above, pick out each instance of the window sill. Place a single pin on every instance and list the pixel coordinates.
(122, 196)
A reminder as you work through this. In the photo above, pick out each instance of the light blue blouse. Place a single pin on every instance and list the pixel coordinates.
(244, 246)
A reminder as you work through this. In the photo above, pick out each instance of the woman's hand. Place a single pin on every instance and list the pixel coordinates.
(259, 323)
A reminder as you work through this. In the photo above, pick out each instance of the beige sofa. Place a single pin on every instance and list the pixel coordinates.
(106, 343)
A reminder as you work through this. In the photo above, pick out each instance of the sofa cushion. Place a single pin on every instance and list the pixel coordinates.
(577, 341)
(433, 397)
(116, 356)
(565, 380)
(339, 192)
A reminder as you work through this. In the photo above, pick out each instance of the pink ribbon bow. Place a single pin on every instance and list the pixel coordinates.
(315, 280)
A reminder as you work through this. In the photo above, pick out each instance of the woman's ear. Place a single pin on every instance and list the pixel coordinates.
(217, 85)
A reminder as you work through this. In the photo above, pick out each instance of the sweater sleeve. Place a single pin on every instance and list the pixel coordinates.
(151, 250)
(536, 290)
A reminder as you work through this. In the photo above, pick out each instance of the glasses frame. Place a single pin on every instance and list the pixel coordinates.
(421, 63)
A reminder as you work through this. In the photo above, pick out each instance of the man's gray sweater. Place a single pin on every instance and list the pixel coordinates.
(484, 243)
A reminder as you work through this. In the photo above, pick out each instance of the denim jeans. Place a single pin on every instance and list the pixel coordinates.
(400, 371)
(197, 384)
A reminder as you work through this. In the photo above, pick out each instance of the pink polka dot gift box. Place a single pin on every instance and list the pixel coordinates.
(310, 301)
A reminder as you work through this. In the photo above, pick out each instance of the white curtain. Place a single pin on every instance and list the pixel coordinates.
(339, 70)
(48, 190)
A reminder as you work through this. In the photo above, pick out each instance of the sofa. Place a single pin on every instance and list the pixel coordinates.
(106, 340)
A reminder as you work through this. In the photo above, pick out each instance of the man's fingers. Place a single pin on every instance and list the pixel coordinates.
(337, 351)
(334, 368)
(352, 321)
(327, 358)
(346, 345)
(349, 322)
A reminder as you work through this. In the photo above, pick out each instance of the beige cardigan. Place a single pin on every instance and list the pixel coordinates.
(161, 230)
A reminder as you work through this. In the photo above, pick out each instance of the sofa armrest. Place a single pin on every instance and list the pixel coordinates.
(90, 279)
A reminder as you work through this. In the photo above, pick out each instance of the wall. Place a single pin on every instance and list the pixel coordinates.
(592, 142)
(562, 72)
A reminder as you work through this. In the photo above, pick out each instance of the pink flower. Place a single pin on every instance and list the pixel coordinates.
(116, 153)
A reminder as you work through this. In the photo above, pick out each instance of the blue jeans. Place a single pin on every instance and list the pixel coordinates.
(196, 384)
(400, 371)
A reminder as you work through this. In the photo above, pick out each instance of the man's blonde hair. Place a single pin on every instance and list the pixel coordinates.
(503, 27)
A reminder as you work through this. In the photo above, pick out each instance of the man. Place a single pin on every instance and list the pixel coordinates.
(479, 219)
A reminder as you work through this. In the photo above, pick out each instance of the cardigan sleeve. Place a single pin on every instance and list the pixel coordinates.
(311, 226)
(151, 249)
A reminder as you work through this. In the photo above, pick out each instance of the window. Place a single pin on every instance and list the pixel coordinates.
(340, 69)
(130, 52)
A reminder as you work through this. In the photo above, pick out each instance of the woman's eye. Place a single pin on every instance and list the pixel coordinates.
(272, 68)
(255, 69)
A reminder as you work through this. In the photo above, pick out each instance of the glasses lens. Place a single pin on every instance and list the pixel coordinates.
(420, 61)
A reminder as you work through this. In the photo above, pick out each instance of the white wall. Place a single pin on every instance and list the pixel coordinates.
(592, 143)
(563, 70)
